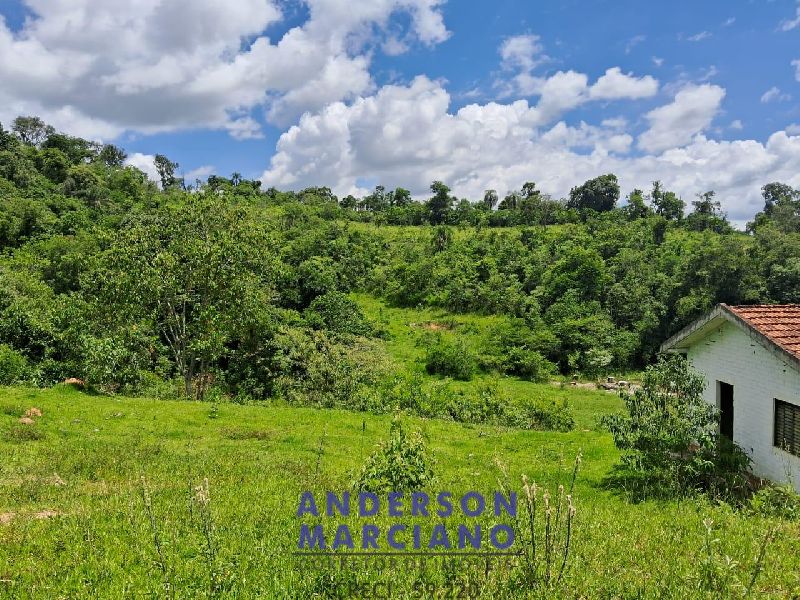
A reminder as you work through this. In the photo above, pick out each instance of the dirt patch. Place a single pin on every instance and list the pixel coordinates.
(26, 421)
(247, 434)
(33, 412)
(45, 514)
(434, 326)
(6, 518)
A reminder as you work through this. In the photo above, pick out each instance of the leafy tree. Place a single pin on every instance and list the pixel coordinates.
(666, 203)
(636, 208)
(599, 194)
(440, 204)
(669, 434)
(197, 271)
(400, 197)
(166, 171)
(490, 199)
(32, 130)
(112, 156)
(708, 214)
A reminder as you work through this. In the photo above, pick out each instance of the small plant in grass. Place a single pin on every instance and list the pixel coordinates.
(722, 574)
(158, 545)
(545, 528)
(669, 440)
(23, 433)
(400, 464)
(780, 501)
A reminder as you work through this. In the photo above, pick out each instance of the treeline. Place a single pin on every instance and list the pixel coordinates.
(223, 286)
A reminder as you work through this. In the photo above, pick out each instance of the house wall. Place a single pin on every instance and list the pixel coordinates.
(758, 375)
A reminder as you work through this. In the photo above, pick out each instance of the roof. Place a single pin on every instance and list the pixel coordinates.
(776, 326)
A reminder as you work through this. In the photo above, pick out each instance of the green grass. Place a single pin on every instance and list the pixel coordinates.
(85, 471)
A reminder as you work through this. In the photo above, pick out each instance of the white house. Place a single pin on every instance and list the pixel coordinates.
(750, 357)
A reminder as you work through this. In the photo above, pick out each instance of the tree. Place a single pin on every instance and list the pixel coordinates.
(490, 199)
(440, 204)
(401, 197)
(666, 204)
(32, 130)
(166, 171)
(636, 208)
(669, 433)
(112, 156)
(708, 214)
(599, 194)
(510, 202)
(529, 190)
(781, 207)
(197, 271)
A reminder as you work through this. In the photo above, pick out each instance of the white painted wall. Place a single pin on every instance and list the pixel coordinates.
(758, 375)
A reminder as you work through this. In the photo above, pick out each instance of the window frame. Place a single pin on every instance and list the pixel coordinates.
(788, 445)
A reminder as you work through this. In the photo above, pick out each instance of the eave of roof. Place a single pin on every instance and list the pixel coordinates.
(722, 313)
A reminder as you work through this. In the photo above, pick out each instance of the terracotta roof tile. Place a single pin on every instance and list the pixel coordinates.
(779, 322)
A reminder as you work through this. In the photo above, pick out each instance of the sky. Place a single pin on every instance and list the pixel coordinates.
(351, 94)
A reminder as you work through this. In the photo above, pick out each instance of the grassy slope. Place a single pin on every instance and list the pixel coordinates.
(88, 464)
(87, 468)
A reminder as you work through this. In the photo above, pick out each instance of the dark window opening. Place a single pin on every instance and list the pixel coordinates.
(726, 410)
(787, 427)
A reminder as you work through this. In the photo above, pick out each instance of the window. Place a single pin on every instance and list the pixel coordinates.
(787, 427)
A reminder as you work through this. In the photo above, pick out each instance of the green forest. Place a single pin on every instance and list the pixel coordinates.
(184, 288)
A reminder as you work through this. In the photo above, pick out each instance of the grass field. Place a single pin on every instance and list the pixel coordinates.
(75, 488)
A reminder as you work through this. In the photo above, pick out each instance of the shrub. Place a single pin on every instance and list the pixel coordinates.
(780, 501)
(668, 436)
(336, 312)
(550, 416)
(528, 364)
(13, 366)
(400, 464)
(450, 359)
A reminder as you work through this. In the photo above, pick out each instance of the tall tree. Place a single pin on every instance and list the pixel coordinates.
(599, 194)
(440, 204)
(166, 171)
(32, 130)
(197, 271)
(490, 199)
(666, 204)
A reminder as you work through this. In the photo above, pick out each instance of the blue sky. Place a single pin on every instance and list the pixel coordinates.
(480, 94)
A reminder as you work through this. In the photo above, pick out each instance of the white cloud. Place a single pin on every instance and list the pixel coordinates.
(144, 162)
(523, 52)
(633, 42)
(790, 24)
(97, 68)
(793, 129)
(729, 21)
(774, 94)
(616, 84)
(675, 124)
(737, 124)
(657, 61)
(796, 65)
(199, 173)
(699, 37)
(406, 136)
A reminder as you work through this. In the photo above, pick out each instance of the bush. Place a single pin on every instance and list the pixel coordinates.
(669, 440)
(400, 464)
(527, 364)
(777, 501)
(13, 366)
(552, 416)
(450, 359)
(336, 312)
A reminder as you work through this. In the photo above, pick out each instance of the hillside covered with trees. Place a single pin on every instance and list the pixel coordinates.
(145, 287)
